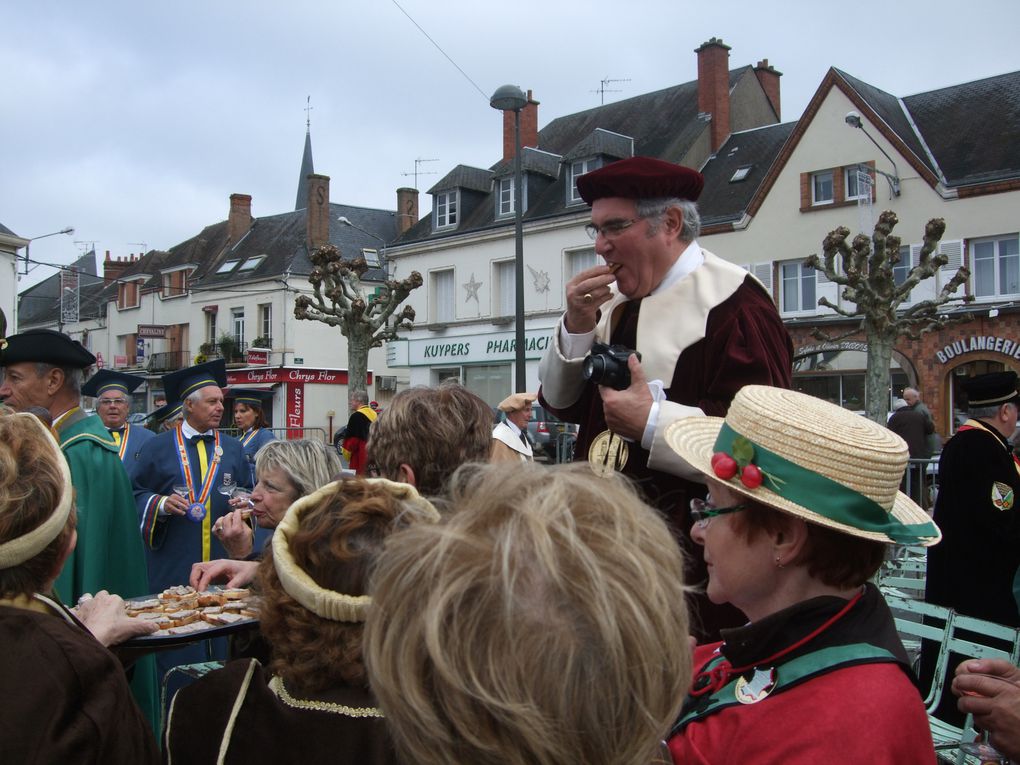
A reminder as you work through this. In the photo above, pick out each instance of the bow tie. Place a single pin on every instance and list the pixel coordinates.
(202, 437)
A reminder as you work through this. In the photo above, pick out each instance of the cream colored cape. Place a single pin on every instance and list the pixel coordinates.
(669, 322)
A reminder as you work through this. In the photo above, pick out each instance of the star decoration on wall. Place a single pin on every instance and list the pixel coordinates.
(472, 288)
(541, 279)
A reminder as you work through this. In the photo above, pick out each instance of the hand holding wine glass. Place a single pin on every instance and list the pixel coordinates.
(989, 689)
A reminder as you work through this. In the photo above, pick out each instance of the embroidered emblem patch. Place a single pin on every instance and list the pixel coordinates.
(761, 684)
(1002, 495)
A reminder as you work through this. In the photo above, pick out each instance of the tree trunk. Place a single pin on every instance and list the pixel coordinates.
(877, 378)
(357, 364)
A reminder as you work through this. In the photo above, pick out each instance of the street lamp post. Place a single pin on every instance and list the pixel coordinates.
(345, 221)
(853, 119)
(512, 98)
(68, 230)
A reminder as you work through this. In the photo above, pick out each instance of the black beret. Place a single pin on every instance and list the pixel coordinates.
(991, 389)
(641, 178)
(45, 346)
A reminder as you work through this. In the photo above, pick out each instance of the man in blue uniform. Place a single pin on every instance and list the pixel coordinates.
(112, 392)
(179, 475)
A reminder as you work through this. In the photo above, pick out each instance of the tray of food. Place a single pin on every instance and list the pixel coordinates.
(184, 615)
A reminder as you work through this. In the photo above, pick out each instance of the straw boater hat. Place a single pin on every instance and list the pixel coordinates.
(815, 460)
(335, 606)
(517, 401)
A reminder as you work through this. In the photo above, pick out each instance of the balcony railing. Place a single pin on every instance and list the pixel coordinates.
(169, 361)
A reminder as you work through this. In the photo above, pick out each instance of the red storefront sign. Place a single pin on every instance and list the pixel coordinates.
(289, 375)
(257, 356)
(295, 409)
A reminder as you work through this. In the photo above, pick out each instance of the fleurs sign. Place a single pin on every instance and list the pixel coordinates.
(257, 356)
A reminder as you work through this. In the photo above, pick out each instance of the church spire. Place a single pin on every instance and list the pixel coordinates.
(307, 168)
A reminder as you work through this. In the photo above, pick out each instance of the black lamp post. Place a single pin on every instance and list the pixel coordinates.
(512, 98)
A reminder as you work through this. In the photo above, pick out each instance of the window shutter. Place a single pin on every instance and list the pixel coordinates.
(763, 272)
(954, 251)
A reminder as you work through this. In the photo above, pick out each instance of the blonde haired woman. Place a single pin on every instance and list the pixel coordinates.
(542, 622)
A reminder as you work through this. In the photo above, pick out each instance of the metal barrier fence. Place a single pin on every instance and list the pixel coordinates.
(921, 482)
(287, 434)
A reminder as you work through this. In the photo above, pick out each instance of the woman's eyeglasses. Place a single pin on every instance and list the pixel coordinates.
(702, 512)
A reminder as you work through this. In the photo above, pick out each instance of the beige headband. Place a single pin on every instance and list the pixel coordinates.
(16, 551)
(335, 606)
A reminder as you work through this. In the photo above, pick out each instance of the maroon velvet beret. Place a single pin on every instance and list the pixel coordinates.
(641, 178)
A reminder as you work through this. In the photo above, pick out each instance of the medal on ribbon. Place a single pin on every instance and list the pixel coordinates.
(608, 453)
(196, 511)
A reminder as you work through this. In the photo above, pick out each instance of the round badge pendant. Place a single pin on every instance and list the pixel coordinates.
(196, 512)
(218, 451)
(761, 684)
(608, 453)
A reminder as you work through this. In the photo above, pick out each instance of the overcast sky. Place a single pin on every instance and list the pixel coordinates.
(134, 122)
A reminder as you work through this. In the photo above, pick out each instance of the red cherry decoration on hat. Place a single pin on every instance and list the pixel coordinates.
(751, 476)
(724, 465)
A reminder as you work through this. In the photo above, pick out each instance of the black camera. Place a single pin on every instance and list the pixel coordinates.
(607, 365)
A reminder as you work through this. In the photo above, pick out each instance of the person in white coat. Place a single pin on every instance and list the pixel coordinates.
(509, 438)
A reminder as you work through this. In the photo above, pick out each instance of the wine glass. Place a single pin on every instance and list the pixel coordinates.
(984, 751)
(241, 493)
(181, 490)
(227, 487)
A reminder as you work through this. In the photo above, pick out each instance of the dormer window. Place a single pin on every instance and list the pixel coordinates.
(504, 197)
(228, 265)
(577, 169)
(251, 263)
(175, 283)
(446, 209)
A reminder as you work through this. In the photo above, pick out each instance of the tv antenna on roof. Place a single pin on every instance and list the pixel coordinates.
(602, 89)
(143, 245)
(417, 164)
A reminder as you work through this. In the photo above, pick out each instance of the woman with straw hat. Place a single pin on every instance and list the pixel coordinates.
(312, 703)
(803, 502)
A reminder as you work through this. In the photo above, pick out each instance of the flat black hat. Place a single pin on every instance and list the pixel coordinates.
(991, 389)
(107, 379)
(178, 385)
(46, 346)
(254, 397)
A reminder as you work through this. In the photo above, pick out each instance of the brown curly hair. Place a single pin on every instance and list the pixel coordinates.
(31, 484)
(337, 546)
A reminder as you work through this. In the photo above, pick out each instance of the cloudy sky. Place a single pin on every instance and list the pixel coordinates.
(134, 122)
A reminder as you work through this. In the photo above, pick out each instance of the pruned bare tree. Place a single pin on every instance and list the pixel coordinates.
(340, 300)
(864, 271)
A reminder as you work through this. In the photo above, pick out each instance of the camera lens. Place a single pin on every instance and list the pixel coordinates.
(593, 368)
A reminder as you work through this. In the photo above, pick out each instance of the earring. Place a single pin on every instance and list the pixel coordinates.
(779, 563)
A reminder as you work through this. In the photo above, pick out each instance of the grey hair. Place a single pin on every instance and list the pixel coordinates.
(307, 464)
(73, 376)
(654, 209)
(987, 412)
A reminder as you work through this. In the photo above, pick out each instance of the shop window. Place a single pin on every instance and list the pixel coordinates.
(996, 266)
(490, 382)
(797, 287)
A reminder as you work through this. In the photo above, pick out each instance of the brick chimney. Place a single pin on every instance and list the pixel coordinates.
(317, 211)
(768, 78)
(407, 209)
(714, 87)
(529, 128)
(112, 269)
(240, 217)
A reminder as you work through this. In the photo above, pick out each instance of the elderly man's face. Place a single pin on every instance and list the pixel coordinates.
(112, 407)
(22, 387)
(644, 255)
(205, 413)
(521, 417)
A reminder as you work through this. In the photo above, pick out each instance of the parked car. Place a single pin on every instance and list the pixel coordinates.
(544, 430)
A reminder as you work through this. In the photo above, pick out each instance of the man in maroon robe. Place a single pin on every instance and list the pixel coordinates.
(703, 327)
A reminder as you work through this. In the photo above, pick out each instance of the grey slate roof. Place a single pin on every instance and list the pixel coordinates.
(5, 230)
(723, 200)
(40, 303)
(465, 177)
(663, 124)
(973, 129)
